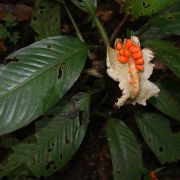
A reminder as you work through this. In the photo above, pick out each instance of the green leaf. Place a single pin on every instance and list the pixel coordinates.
(46, 19)
(167, 53)
(125, 152)
(157, 133)
(161, 26)
(86, 5)
(59, 135)
(45, 71)
(169, 23)
(168, 101)
(145, 7)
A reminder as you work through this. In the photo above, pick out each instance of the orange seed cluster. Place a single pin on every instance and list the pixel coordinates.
(130, 50)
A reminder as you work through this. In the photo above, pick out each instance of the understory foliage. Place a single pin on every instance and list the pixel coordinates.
(36, 86)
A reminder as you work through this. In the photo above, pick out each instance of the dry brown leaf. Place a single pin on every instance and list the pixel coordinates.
(3, 47)
(21, 11)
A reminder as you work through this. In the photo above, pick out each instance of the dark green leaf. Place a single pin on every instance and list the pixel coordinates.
(46, 19)
(86, 5)
(43, 74)
(161, 26)
(167, 53)
(157, 133)
(145, 7)
(168, 101)
(59, 135)
(125, 152)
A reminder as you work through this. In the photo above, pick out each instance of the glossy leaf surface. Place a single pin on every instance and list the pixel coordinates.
(168, 101)
(59, 135)
(167, 53)
(125, 152)
(43, 74)
(157, 133)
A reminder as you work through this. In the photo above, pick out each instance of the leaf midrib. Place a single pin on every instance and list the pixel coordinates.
(35, 75)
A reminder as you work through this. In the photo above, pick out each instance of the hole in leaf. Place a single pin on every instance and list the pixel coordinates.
(161, 149)
(60, 70)
(49, 165)
(81, 117)
(52, 144)
(67, 140)
(75, 131)
(170, 17)
(149, 139)
(145, 5)
(118, 172)
(34, 18)
(41, 11)
(49, 46)
(49, 150)
(61, 157)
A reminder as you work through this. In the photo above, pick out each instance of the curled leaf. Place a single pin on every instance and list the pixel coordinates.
(133, 72)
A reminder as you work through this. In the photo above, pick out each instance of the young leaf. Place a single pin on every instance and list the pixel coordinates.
(168, 101)
(125, 152)
(59, 135)
(166, 53)
(145, 7)
(43, 74)
(46, 19)
(157, 133)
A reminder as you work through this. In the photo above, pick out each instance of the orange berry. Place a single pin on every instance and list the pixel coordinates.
(121, 52)
(119, 46)
(140, 67)
(131, 81)
(135, 49)
(129, 43)
(127, 53)
(137, 55)
(139, 61)
(123, 59)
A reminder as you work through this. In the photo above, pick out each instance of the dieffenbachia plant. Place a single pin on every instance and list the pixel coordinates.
(131, 67)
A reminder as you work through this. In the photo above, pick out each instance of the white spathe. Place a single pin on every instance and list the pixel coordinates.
(119, 72)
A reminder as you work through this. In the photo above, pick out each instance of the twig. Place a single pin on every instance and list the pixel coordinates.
(117, 29)
(73, 22)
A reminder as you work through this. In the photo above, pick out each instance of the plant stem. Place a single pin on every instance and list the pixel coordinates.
(102, 31)
(73, 22)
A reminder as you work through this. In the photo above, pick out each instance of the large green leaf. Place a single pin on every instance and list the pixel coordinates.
(168, 101)
(145, 7)
(167, 53)
(46, 19)
(125, 152)
(43, 74)
(59, 135)
(157, 133)
(161, 26)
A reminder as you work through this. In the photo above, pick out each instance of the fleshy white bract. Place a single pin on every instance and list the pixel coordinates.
(120, 72)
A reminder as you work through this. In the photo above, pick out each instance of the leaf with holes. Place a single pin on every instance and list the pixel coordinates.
(145, 7)
(86, 5)
(167, 53)
(168, 101)
(161, 26)
(46, 19)
(125, 152)
(59, 135)
(157, 133)
(45, 71)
